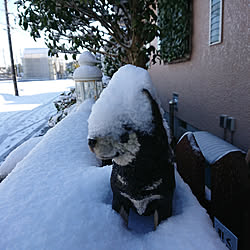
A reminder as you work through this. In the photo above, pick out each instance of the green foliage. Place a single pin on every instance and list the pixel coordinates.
(175, 25)
(63, 106)
(110, 63)
(118, 29)
(121, 30)
(71, 66)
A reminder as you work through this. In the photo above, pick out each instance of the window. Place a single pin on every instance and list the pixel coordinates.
(215, 22)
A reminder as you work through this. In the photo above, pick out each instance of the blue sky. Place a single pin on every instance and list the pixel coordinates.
(20, 38)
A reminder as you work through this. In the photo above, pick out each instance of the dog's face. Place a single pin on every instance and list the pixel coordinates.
(122, 150)
(122, 116)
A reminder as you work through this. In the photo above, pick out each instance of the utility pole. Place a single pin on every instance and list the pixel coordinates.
(10, 48)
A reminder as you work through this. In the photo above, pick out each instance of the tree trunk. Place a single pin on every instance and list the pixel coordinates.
(137, 58)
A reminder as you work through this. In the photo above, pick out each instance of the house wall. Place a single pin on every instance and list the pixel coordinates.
(217, 78)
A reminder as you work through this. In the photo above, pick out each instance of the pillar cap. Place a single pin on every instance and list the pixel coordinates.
(88, 70)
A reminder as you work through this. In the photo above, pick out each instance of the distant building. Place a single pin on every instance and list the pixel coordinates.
(37, 65)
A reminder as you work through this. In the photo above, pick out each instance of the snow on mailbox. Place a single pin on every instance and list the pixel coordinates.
(88, 78)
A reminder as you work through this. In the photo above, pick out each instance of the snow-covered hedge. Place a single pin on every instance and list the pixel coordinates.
(63, 105)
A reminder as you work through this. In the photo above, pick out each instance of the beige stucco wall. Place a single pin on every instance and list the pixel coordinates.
(217, 78)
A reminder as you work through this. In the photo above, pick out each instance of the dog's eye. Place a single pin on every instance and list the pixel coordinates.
(127, 127)
(124, 138)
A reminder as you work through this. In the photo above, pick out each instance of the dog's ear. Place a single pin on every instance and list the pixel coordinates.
(154, 106)
(159, 129)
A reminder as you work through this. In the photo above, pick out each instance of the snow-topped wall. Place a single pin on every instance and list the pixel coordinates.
(57, 198)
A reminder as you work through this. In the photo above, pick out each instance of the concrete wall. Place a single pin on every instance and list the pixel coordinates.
(217, 78)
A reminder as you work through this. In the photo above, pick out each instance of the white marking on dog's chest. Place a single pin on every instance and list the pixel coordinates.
(142, 204)
(128, 150)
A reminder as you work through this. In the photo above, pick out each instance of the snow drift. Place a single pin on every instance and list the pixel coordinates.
(56, 198)
(17, 155)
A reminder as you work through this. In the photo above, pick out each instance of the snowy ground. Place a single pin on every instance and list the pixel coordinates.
(24, 116)
(57, 198)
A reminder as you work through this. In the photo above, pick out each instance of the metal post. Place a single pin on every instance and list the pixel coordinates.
(10, 48)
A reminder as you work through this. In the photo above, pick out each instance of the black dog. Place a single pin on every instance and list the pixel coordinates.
(145, 182)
